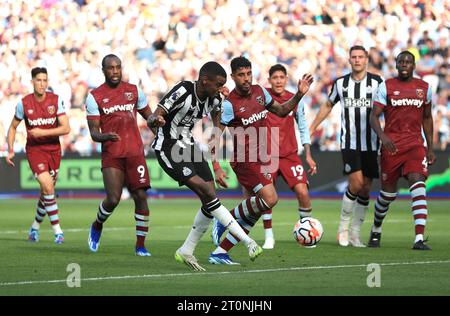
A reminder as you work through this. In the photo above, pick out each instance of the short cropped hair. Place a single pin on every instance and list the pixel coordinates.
(240, 62)
(406, 52)
(106, 57)
(277, 67)
(358, 47)
(38, 70)
(212, 69)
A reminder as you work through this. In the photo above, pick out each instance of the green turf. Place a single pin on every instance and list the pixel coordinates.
(290, 269)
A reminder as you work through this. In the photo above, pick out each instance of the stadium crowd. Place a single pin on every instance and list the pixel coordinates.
(162, 42)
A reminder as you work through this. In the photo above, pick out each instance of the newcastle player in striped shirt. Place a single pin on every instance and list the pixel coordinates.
(178, 111)
(359, 143)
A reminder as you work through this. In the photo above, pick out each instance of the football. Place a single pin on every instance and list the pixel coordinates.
(308, 231)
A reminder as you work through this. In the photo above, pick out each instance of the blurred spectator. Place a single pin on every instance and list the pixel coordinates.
(162, 42)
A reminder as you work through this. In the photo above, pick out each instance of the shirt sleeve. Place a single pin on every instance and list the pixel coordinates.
(380, 99)
(334, 95)
(61, 107)
(302, 124)
(19, 111)
(171, 98)
(92, 110)
(227, 113)
(429, 95)
(142, 99)
(268, 97)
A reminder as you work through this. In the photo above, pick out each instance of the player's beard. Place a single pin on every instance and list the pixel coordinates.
(113, 84)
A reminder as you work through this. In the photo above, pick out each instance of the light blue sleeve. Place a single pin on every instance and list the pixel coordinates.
(91, 106)
(267, 96)
(61, 108)
(429, 94)
(19, 110)
(142, 99)
(381, 95)
(227, 113)
(302, 124)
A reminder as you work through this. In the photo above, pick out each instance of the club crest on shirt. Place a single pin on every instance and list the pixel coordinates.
(128, 96)
(186, 171)
(419, 93)
(347, 168)
(369, 89)
(51, 109)
(175, 95)
(260, 100)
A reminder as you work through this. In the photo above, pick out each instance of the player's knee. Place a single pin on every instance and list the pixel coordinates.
(139, 195)
(302, 195)
(356, 187)
(207, 193)
(112, 201)
(47, 189)
(270, 200)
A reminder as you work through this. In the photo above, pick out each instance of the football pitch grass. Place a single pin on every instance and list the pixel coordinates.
(41, 268)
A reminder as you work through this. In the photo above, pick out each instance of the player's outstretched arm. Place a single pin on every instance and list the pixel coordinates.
(98, 136)
(284, 109)
(376, 126)
(427, 124)
(11, 138)
(62, 129)
(309, 159)
(324, 111)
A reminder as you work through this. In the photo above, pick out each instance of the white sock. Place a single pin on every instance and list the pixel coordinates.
(376, 229)
(36, 225)
(268, 232)
(57, 229)
(219, 250)
(418, 237)
(201, 224)
(359, 214)
(348, 202)
(225, 218)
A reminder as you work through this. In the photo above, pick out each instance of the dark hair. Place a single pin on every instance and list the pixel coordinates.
(106, 57)
(38, 70)
(240, 62)
(406, 52)
(358, 47)
(277, 67)
(212, 69)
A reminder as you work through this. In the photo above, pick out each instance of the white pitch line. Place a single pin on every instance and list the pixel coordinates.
(170, 275)
(77, 230)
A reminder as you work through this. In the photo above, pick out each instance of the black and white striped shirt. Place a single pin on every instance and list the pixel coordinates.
(356, 98)
(184, 109)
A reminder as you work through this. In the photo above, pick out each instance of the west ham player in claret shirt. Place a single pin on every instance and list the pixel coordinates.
(290, 166)
(45, 120)
(406, 104)
(244, 112)
(112, 110)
